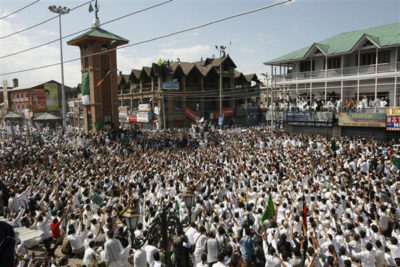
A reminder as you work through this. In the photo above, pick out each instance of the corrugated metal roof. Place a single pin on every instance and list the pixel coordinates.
(385, 35)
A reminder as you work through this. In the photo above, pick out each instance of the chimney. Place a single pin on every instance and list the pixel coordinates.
(15, 82)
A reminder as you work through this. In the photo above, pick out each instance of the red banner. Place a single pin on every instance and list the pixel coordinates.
(191, 114)
(132, 118)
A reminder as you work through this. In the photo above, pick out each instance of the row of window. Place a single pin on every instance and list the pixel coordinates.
(335, 62)
(20, 97)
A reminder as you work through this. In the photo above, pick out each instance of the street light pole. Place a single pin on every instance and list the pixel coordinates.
(61, 11)
(221, 50)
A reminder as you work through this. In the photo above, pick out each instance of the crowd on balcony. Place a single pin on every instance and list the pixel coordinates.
(284, 102)
(262, 197)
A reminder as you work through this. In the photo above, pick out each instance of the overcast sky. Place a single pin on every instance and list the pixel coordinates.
(254, 38)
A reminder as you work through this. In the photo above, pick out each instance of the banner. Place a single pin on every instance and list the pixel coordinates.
(38, 100)
(191, 114)
(132, 119)
(323, 116)
(362, 119)
(298, 116)
(51, 93)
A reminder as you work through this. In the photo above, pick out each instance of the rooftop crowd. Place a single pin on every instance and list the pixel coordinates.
(335, 201)
(284, 102)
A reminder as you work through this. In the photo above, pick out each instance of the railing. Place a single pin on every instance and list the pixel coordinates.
(348, 71)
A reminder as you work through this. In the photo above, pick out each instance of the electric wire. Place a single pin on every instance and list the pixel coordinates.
(18, 10)
(155, 38)
(83, 30)
(43, 22)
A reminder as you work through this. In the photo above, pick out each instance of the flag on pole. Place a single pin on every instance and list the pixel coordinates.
(85, 89)
(269, 211)
(90, 8)
(102, 80)
(159, 62)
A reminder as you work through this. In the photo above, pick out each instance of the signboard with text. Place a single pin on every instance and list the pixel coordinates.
(393, 123)
(362, 119)
(170, 85)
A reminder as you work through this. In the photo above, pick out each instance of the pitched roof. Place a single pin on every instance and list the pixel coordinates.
(385, 35)
(136, 73)
(97, 33)
(36, 85)
(251, 77)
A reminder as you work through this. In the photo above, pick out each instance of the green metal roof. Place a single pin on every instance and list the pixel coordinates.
(99, 33)
(341, 43)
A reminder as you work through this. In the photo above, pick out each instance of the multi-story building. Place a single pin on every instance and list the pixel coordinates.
(33, 100)
(357, 71)
(189, 91)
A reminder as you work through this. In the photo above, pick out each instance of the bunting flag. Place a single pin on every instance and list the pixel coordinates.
(159, 62)
(85, 89)
(90, 8)
(102, 80)
(269, 211)
(209, 124)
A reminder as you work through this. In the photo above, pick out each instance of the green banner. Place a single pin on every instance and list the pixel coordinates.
(96, 198)
(362, 119)
(51, 92)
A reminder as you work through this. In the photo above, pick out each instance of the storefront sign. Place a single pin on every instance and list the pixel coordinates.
(310, 123)
(393, 123)
(144, 107)
(392, 111)
(143, 116)
(132, 119)
(170, 85)
(362, 119)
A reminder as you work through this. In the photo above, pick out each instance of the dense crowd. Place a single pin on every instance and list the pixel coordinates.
(335, 201)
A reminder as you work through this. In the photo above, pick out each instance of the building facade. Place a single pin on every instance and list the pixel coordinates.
(352, 72)
(177, 93)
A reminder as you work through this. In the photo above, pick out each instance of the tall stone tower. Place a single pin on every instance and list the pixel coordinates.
(99, 60)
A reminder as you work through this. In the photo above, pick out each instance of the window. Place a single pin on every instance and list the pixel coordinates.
(367, 59)
(384, 57)
(305, 65)
(333, 63)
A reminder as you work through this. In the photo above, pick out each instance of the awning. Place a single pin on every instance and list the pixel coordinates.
(13, 115)
(46, 117)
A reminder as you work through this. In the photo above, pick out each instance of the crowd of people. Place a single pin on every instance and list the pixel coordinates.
(335, 201)
(284, 102)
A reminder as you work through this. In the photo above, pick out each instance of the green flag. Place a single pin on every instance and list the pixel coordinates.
(209, 124)
(96, 198)
(90, 8)
(396, 162)
(85, 89)
(269, 211)
(159, 62)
